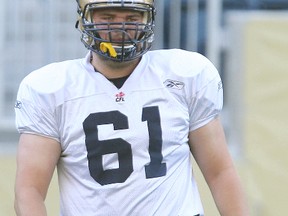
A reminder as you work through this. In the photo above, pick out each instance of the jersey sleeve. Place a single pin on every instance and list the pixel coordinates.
(207, 101)
(34, 112)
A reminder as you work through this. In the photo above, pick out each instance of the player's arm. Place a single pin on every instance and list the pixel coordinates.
(210, 151)
(36, 160)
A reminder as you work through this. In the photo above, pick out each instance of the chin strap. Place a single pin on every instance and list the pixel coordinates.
(108, 48)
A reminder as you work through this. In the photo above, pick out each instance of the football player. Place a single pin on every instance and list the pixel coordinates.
(120, 124)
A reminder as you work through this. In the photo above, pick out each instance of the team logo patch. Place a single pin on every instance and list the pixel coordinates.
(18, 104)
(174, 84)
(120, 97)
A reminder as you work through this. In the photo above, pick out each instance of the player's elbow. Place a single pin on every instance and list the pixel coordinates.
(28, 201)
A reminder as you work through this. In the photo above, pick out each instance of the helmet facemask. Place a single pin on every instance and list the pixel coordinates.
(117, 41)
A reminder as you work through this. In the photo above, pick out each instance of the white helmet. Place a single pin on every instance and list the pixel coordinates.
(130, 47)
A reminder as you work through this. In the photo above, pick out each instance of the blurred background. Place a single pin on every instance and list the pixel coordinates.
(247, 40)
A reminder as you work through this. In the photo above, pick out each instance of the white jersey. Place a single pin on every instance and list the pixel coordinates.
(125, 151)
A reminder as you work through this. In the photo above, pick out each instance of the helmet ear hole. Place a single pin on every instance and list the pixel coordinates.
(137, 37)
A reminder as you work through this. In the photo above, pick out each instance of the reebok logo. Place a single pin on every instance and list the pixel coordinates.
(174, 84)
(18, 104)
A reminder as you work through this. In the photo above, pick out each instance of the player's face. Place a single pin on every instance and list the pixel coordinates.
(116, 18)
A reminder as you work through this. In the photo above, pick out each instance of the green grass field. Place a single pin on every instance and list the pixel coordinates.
(8, 171)
(8, 168)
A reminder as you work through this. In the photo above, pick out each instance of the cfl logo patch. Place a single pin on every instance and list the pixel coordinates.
(120, 97)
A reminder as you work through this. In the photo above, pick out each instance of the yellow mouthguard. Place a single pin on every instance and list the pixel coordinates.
(107, 47)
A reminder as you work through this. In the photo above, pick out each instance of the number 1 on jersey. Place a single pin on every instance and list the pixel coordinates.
(156, 168)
